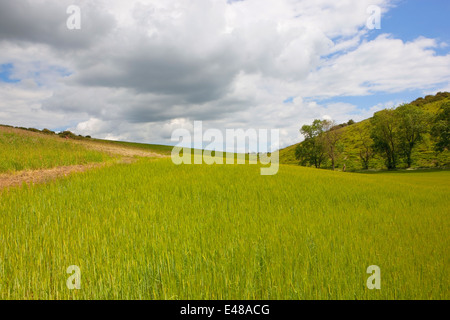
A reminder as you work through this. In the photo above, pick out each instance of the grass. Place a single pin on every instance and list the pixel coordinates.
(153, 230)
(157, 148)
(20, 150)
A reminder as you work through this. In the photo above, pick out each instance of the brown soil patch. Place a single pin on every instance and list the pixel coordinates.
(128, 152)
(42, 175)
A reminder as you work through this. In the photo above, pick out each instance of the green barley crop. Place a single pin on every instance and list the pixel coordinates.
(153, 230)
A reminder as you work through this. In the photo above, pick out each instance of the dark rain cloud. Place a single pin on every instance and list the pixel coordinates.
(46, 22)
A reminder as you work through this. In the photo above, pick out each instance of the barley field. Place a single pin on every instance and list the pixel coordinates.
(153, 230)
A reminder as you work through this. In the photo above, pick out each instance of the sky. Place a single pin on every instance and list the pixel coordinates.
(138, 70)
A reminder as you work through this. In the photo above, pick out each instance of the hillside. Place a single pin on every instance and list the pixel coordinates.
(26, 150)
(424, 155)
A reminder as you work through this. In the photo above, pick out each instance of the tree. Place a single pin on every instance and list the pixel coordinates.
(385, 138)
(312, 150)
(412, 124)
(47, 131)
(366, 152)
(331, 137)
(441, 128)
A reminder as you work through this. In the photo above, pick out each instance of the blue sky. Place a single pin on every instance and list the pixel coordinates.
(5, 73)
(407, 20)
(410, 19)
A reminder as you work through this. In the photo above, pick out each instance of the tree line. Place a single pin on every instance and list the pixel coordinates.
(393, 134)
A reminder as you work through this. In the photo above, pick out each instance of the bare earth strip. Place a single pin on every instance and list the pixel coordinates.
(42, 175)
(119, 150)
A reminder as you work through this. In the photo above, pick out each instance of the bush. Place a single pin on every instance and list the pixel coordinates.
(68, 134)
(47, 131)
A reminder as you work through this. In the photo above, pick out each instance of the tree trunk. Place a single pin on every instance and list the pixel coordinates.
(408, 158)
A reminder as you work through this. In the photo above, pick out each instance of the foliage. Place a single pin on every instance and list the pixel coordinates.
(366, 152)
(69, 135)
(430, 98)
(312, 151)
(412, 125)
(357, 142)
(47, 131)
(385, 136)
(441, 128)
(331, 139)
(396, 132)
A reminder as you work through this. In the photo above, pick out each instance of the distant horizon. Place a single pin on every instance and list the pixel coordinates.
(205, 144)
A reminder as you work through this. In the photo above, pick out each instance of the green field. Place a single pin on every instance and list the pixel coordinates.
(161, 149)
(21, 150)
(153, 230)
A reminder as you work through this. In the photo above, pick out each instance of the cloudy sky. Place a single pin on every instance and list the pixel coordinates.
(137, 70)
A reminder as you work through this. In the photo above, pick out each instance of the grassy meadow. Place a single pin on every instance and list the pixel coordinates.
(153, 230)
(157, 148)
(21, 150)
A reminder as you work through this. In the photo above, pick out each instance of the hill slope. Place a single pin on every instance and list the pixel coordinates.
(424, 155)
(32, 149)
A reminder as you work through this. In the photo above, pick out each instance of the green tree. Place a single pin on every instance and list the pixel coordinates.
(412, 124)
(385, 136)
(312, 150)
(366, 151)
(331, 137)
(441, 128)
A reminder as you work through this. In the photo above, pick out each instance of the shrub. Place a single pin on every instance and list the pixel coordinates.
(47, 131)
(68, 134)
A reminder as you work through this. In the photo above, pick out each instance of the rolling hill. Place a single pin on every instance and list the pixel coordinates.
(424, 155)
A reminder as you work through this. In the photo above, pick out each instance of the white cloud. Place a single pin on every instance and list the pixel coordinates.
(381, 65)
(140, 69)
